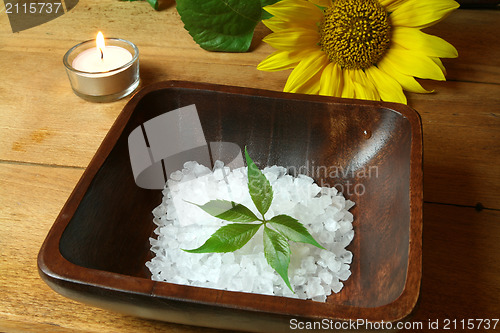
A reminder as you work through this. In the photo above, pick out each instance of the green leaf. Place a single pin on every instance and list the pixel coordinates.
(228, 211)
(221, 25)
(265, 14)
(277, 253)
(260, 189)
(228, 238)
(293, 230)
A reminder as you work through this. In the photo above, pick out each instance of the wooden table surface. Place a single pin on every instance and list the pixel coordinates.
(49, 135)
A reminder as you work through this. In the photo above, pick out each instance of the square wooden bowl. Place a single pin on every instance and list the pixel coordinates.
(97, 248)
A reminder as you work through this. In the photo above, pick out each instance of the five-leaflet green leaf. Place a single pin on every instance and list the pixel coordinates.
(234, 236)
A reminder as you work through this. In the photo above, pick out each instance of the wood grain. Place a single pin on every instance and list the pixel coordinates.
(48, 136)
(460, 264)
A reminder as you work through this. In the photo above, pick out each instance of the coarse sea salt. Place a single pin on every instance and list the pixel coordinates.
(314, 273)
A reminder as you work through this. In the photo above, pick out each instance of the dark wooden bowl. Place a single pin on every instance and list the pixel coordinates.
(96, 250)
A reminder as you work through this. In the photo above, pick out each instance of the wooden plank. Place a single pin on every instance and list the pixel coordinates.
(464, 28)
(460, 265)
(461, 129)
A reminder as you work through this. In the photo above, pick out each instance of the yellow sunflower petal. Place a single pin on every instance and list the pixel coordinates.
(390, 5)
(280, 60)
(322, 3)
(348, 88)
(388, 88)
(363, 88)
(415, 40)
(406, 81)
(276, 24)
(414, 64)
(331, 80)
(306, 70)
(293, 39)
(296, 11)
(421, 13)
(439, 63)
(312, 86)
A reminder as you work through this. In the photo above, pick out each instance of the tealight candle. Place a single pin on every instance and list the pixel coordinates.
(103, 70)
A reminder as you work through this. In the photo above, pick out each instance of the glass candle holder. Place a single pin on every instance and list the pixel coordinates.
(103, 85)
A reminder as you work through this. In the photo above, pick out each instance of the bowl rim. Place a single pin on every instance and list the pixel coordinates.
(54, 268)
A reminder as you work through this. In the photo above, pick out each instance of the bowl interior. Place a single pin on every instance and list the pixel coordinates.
(363, 150)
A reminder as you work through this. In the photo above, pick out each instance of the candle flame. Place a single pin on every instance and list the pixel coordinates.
(100, 43)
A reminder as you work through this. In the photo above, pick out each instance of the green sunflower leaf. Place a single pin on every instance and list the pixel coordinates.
(228, 238)
(277, 253)
(260, 189)
(293, 230)
(228, 211)
(221, 25)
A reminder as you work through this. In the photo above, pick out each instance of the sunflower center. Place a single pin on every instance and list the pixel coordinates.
(355, 34)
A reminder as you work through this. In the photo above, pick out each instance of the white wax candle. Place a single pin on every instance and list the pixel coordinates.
(90, 60)
(103, 76)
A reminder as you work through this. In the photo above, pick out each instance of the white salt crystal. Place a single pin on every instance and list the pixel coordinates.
(314, 273)
(298, 279)
(331, 225)
(348, 217)
(314, 288)
(339, 215)
(325, 276)
(309, 264)
(344, 274)
(218, 165)
(322, 263)
(201, 170)
(219, 174)
(346, 257)
(349, 236)
(337, 286)
(333, 264)
(325, 238)
(176, 175)
(345, 226)
(236, 284)
(319, 298)
(227, 258)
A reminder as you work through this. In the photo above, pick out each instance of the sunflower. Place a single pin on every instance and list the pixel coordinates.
(365, 49)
